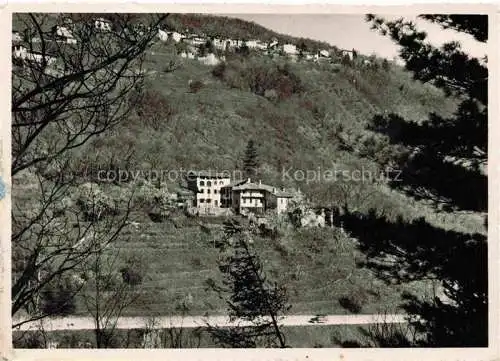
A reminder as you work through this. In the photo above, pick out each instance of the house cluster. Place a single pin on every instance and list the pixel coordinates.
(273, 47)
(215, 192)
(61, 33)
(21, 53)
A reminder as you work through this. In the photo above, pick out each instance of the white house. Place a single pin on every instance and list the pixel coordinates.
(103, 24)
(71, 40)
(324, 53)
(187, 55)
(290, 49)
(207, 187)
(252, 44)
(196, 40)
(39, 58)
(162, 35)
(272, 44)
(219, 43)
(19, 52)
(177, 36)
(349, 53)
(64, 34)
(16, 36)
(62, 31)
(210, 59)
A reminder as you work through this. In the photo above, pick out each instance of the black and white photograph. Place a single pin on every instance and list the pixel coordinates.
(248, 180)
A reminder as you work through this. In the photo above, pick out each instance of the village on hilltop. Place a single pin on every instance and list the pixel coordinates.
(207, 50)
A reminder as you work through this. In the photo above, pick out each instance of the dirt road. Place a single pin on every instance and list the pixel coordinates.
(84, 323)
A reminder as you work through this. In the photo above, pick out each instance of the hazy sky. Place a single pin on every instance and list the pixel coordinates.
(351, 31)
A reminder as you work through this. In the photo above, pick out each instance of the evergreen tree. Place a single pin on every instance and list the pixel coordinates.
(249, 295)
(250, 161)
(422, 250)
(385, 65)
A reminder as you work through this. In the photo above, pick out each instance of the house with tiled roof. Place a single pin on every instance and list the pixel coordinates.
(247, 196)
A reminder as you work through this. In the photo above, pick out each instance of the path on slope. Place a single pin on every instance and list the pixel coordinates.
(87, 323)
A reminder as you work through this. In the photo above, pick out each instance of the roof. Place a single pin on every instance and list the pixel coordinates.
(283, 194)
(210, 174)
(263, 187)
(185, 193)
(236, 183)
(253, 186)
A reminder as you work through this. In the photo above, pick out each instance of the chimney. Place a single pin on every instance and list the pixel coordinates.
(274, 190)
(248, 180)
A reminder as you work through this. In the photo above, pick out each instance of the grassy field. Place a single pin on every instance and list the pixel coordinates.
(296, 337)
(318, 267)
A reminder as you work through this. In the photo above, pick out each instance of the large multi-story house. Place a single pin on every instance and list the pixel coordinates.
(207, 187)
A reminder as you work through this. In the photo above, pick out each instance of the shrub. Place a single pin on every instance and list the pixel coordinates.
(351, 303)
(94, 203)
(196, 262)
(261, 77)
(58, 300)
(131, 276)
(219, 70)
(385, 65)
(195, 86)
(154, 109)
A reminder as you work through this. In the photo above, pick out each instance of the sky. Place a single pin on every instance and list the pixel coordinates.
(348, 31)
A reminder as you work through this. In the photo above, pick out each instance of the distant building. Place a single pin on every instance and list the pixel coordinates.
(210, 59)
(16, 36)
(62, 33)
(187, 55)
(102, 24)
(324, 53)
(348, 53)
(219, 44)
(175, 36)
(252, 44)
(196, 40)
(163, 35)
(21, 53)
(290, 49)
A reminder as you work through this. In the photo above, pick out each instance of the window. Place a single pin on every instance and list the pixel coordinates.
(202, 191)
(215, 202)
(209, 200)
(209, 184)
(221, 182)
(202, 183)
(215, 191)
(202, 200)
(208, 191)
(282, 200)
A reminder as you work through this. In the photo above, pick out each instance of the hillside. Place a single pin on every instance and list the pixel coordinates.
(308, 119)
